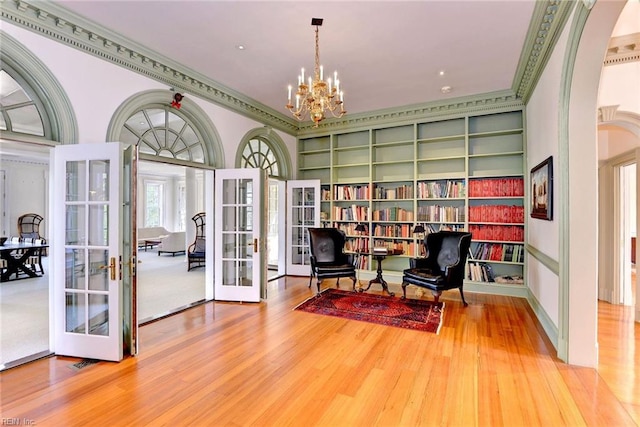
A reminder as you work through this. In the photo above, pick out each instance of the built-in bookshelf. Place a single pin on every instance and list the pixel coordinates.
(461, 173)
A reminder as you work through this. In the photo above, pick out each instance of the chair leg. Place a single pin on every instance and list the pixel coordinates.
(462, 295)
(310, 279)
(436, 295)
(319, 281)
(355, 280)
(404, 290)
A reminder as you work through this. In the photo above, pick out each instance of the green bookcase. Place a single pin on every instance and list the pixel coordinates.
(459, 173)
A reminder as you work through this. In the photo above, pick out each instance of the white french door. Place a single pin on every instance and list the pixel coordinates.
(87, 252)
(240, 237)
(303, 211)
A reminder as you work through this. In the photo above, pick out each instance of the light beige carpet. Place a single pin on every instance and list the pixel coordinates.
(164, 285)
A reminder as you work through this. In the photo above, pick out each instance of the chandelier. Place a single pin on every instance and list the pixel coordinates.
(317, 95)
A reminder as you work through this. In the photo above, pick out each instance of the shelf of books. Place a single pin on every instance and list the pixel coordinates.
(463, 173)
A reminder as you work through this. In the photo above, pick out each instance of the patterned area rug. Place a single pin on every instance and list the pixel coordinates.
(420, 315)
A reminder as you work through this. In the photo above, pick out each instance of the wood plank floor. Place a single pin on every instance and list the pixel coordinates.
(227, 364)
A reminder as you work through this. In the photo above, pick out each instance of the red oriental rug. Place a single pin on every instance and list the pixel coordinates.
(420, 315)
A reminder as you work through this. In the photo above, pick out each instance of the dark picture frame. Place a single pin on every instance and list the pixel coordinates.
(542, 190)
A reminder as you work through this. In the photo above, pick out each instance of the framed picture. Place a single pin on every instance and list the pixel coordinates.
(542, 190)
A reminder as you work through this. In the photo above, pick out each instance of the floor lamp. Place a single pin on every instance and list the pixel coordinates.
(419, 230)
(360, 228)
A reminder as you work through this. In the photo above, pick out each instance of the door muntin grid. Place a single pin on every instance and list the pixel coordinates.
(86, 246)
(237, 234)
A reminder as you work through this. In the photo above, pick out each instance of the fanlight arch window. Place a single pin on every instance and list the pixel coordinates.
(21, 111)
(163, 131)
(258, 153)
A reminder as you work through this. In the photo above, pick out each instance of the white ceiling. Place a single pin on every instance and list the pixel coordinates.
(387, 54)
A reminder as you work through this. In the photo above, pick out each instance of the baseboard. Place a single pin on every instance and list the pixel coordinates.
(545, 321)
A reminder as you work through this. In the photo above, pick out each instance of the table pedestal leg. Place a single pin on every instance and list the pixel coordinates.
(379, 278)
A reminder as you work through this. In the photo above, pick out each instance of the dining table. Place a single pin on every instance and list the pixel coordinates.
(16, 256)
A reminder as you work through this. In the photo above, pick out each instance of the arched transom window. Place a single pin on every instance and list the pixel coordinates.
(19, 112)
(163, 131)
(258, 153)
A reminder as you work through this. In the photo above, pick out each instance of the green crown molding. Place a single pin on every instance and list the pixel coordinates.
(59, 111)
(488, 102)
(549, 18)
(61, 25)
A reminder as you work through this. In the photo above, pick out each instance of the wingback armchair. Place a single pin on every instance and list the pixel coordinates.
(196, 253)
(327, 257)
(444, 266)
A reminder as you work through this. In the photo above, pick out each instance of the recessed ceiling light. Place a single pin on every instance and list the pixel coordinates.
(240, 47)
(441, 72)
(445, 89)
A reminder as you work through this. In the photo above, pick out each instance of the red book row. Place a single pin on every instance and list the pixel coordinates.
(496, 213)
(509, 233)
(496, 187)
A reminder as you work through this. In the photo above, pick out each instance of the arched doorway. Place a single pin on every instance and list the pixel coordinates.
(263, 148)
(589, 36)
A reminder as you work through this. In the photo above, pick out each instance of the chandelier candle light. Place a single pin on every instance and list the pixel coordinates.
(317, 95)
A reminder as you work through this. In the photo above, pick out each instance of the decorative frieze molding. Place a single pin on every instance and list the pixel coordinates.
(59, 24)
(623, 49)
(491, 102)
(549, 18)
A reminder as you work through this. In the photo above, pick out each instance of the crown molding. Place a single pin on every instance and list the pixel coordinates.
(623, 49)
(59, 24)
(493, 102)
(548, 20)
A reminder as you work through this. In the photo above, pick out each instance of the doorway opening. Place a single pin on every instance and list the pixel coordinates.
(627, 267)
(276, 229)
(165, 285)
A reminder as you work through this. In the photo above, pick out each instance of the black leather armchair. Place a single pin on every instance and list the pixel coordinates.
(327, 257)
(444, 266)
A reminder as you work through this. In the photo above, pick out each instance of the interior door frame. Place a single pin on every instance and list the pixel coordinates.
(282, 226)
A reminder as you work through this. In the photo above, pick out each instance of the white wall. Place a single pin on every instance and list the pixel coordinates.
(26, 187)
(620, 85)
(545, 134)
(542, 141)
(613, 141)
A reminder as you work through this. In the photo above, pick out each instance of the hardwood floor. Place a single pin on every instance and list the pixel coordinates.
(265, 364)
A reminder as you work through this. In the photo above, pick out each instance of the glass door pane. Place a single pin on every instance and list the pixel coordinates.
(240, 255)
(87, 284)
(304, 211)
